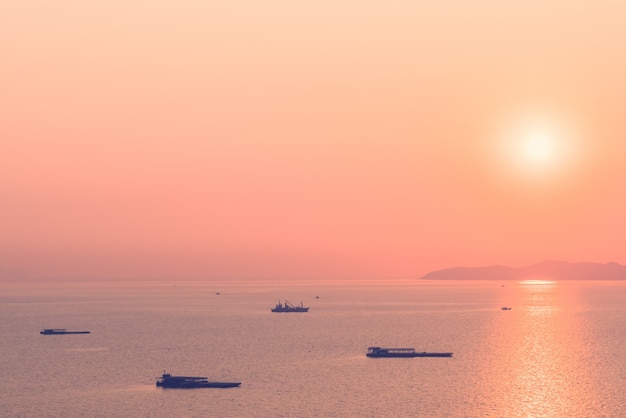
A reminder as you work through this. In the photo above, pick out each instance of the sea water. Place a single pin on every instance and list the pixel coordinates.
(559, 352)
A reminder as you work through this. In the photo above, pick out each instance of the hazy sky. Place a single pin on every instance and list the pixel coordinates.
(308, 139)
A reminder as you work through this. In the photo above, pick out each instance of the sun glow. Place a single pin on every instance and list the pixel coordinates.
(537, 146)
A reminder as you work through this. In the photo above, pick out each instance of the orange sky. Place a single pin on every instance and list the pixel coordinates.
(308, 139)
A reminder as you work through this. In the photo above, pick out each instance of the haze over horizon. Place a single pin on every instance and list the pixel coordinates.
(348, 140)
(544, 271)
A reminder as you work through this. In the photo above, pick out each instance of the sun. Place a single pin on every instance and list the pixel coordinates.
(536, 148)
(539, 148)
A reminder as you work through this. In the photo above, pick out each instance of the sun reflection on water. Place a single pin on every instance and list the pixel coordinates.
(537, 282)
(536, 350)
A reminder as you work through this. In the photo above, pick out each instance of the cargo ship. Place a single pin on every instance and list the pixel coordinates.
(60, 331)
(191, 382)
(402, 352)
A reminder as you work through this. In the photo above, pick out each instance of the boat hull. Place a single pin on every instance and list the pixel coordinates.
(47, 332)
(167, 381)
(290, 310)
(379, 352)
(219, 385)
(424, 354)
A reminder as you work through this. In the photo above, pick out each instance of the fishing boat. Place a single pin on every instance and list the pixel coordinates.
(287, 307)
(169, 381)
(402, 352)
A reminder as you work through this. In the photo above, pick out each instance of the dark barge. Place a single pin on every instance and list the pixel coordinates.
(402, 352)
(60, 331)
(191, 382)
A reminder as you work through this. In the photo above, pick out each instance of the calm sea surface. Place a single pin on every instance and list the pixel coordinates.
(559, 352)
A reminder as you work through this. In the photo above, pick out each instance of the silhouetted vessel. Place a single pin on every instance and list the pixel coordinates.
(191, 382)
(287, 307)
(401, 352)
(505, 308)
(61, 331)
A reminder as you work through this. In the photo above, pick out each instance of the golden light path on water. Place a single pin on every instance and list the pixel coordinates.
(541, 351)
(536, 354)
(537, 282)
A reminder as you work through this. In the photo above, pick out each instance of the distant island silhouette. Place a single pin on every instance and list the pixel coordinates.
(545, 270)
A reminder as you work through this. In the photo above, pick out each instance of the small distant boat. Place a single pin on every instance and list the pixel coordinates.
(191, 382)
(60, 331)
(402, 352)
(505, 308)
(287, 307)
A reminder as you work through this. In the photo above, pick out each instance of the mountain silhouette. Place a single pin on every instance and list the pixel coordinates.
(545, 270)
